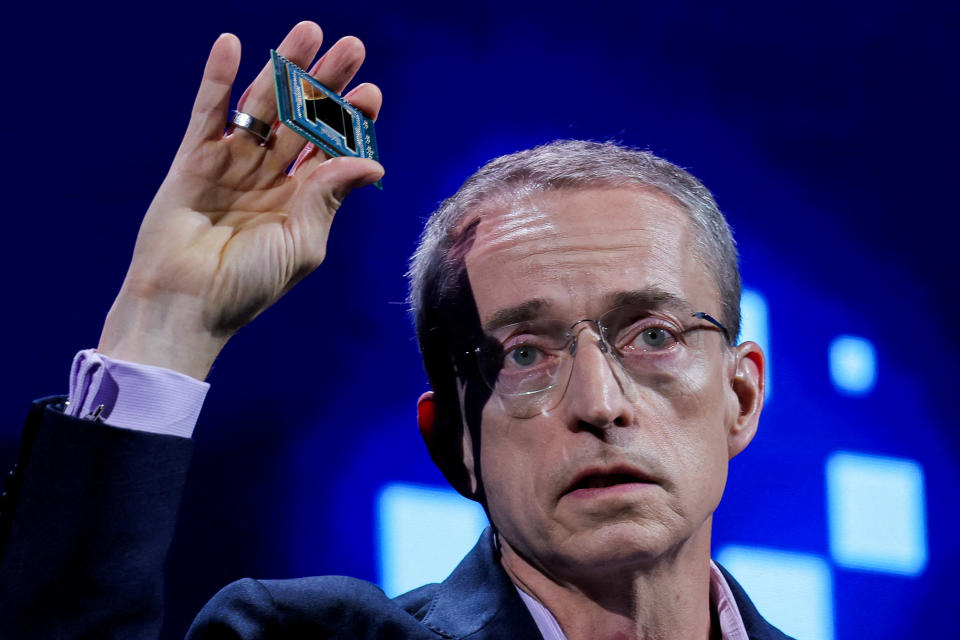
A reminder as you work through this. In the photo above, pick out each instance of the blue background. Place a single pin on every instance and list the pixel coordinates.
(827, 132)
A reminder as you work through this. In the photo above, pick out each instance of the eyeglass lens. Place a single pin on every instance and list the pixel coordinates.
(532, 367)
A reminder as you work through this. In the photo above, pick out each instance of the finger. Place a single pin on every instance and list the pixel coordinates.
(308, 152)
(335, 69)
(340, 63)
(366, 97)
(337, 177)
(323, 191)
(213, 96)
(299, 46)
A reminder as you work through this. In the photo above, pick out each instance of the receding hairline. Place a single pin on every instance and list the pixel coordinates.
(506, 196)
(511, 192)
(571, 164)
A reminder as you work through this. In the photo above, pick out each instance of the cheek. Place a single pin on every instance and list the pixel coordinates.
(513, 457)
(691, 433)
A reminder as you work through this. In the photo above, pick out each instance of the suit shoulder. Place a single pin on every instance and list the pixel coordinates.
(322, 607)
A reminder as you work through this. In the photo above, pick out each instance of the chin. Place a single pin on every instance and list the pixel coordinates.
(620, 545)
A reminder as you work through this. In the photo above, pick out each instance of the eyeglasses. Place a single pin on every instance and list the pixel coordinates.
(528, 365)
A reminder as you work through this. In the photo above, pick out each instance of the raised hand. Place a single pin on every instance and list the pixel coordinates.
(231, 230)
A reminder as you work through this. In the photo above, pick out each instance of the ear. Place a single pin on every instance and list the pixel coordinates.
(427, 417)
(747, 386)
(443, 448)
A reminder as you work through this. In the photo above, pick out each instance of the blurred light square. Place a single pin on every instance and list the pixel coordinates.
(793, 591)
(853, 365)
(755, 327)
(877, 514)
(423, 533)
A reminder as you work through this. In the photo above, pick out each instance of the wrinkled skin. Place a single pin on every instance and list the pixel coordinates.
(576, 249)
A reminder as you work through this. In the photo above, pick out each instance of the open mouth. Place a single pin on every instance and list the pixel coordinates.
(606, 480)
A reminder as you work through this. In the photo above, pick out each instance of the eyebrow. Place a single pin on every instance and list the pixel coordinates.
(527, 310)
(652, 297)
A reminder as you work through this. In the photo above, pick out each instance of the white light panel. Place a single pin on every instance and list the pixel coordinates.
(853, 365)
(423, 533)
(793, 591)
(876, 512)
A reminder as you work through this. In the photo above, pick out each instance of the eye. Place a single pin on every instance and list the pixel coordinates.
(523, 355)
(650, 338)
(654, 337)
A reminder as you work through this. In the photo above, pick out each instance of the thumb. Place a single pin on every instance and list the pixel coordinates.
(321, 195)
(329, 183)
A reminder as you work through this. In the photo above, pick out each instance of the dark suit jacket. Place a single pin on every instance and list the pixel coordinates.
(87, 521)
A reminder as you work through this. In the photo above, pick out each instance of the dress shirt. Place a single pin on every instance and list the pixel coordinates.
(134, 396)
(731, 624)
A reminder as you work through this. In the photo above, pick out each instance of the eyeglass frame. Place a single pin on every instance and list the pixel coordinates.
(572, 343)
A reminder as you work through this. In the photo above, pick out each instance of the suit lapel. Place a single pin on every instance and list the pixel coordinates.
(478, 600)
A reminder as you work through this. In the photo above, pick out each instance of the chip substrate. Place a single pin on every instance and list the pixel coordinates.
(321, 115)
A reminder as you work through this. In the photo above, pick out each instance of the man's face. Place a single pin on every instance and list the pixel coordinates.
(575, 251)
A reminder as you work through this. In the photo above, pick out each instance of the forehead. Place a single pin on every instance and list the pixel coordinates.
(574, 250)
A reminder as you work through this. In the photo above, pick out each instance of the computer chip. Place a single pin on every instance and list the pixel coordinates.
(321, 115)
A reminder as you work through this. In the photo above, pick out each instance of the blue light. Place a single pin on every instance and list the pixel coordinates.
(877, 516)
(793, 591)
(423, 532)
(853, 365)
(755, 327)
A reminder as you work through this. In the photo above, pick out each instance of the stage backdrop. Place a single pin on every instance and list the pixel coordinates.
(827, 132)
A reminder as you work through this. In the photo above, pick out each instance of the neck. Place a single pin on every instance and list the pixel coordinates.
(666, 599)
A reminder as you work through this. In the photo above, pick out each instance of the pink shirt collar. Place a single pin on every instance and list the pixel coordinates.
(731, 624)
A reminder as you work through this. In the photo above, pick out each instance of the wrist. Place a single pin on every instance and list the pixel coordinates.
(164, 332)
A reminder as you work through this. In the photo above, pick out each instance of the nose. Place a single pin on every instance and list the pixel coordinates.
(595, 394)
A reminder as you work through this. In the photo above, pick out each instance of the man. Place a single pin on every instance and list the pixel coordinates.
(576, 306)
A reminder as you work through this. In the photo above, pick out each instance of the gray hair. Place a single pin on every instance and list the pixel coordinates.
(444, 314)
(572, 164)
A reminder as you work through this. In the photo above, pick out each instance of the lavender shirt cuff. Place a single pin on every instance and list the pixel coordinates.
(134, 396)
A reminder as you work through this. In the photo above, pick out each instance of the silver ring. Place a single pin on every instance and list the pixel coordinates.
(259, 128)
